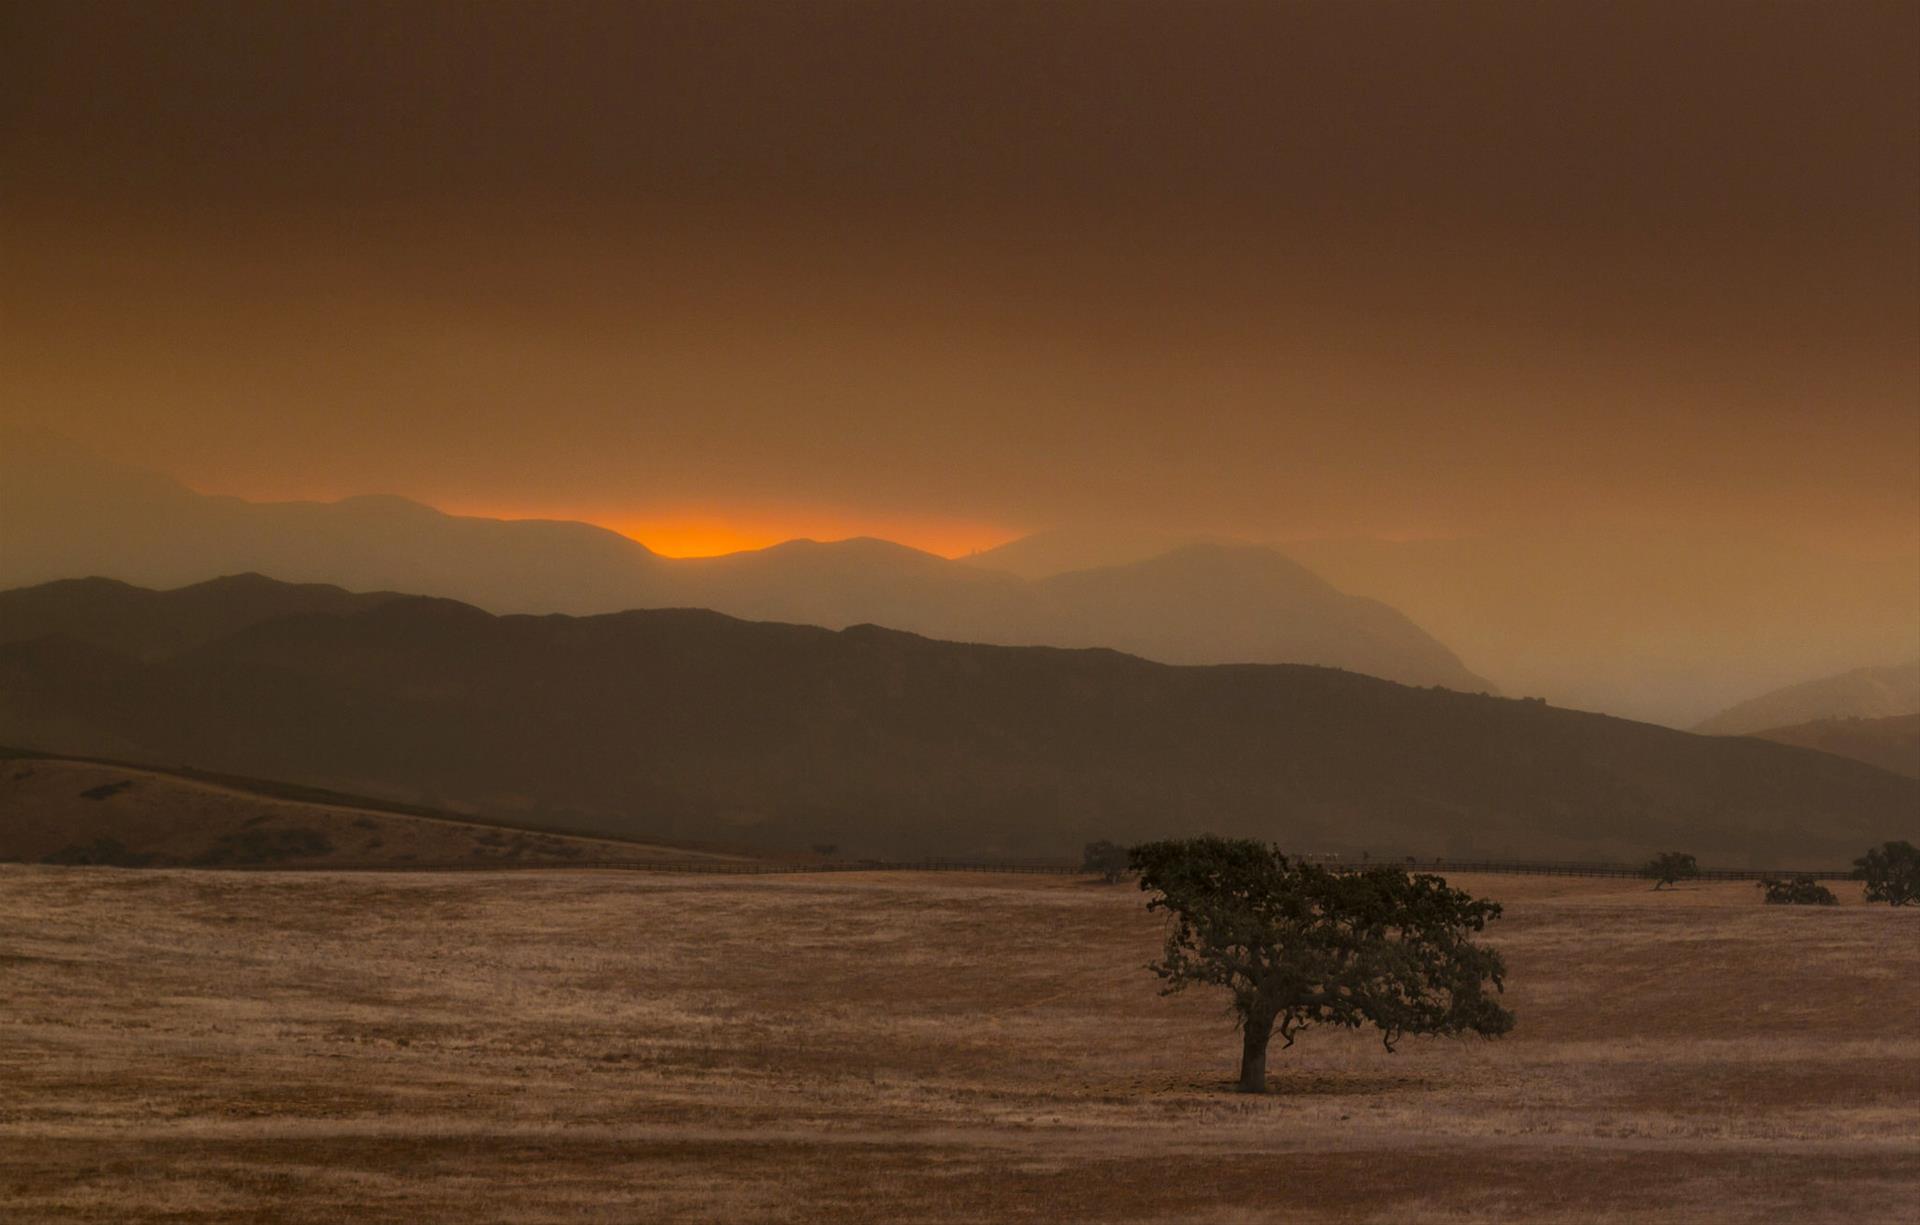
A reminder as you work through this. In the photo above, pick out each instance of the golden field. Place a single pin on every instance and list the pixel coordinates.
(578, 1045)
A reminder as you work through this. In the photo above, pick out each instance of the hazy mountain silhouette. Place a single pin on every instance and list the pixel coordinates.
(689, 725)
(1059, 550)
(1653, 625)
(155, 624)
(67, 515)
(1863, 693)
(1227, 593)
(1891, 743)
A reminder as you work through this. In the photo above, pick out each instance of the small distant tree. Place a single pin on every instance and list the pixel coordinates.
(1892, 873)
(1797, 891)
(1296, 945)
(1670, 867)
(1107, 860)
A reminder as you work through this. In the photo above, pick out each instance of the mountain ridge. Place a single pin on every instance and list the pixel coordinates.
(69, 514)
(691, 726)
(1859, 693)
(1892, 743)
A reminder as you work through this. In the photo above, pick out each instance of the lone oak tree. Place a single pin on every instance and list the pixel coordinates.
(1297, 945)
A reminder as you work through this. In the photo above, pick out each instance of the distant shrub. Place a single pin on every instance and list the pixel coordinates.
(1107, 860)
(1670, 868)
(1892, 873)
(106, 790)
(826, 849)
(1797, 891)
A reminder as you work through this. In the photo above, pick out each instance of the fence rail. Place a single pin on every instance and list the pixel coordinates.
(1537, 868)
(723, 867)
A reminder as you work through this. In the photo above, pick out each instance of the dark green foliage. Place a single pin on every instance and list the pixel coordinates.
(1107, 860)
(1892, 873)
(107, 852)
(1671, 867)
(1296, 945)
(1797, 891)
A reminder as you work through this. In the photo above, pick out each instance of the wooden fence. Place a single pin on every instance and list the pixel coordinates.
(725, 867)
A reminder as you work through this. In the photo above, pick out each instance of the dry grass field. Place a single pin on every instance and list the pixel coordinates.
(600, 1046)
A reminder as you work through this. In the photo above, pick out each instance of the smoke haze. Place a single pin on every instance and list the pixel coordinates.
(950, 273)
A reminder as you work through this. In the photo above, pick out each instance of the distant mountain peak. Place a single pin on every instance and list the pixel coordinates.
(389, 503)
(1043, 554)
(1862, 693)
(1196, 601)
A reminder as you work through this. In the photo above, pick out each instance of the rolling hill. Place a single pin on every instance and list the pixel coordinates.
(155, 624)
(56, 810)
(691, 726)
(1892, 743)
(69, 514)
(1863, 693)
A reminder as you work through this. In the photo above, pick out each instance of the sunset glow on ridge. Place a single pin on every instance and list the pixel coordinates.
(712, 533)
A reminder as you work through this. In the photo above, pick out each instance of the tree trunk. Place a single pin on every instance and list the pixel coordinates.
(1253, 1054)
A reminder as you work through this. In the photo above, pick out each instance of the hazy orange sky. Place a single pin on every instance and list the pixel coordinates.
(718, 273)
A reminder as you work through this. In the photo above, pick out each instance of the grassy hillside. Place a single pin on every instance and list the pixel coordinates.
(690, 726)
(91, 812)
(536, 1047)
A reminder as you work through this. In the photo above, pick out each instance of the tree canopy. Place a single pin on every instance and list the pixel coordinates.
(1297, 945)
(1892, 873)
(1107, 860)
(1671, 867)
